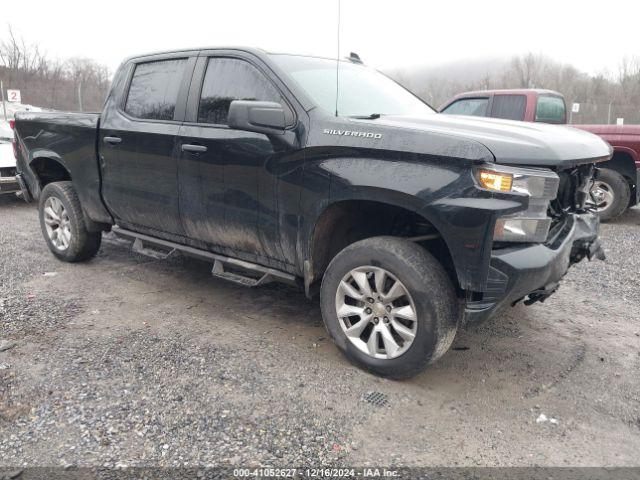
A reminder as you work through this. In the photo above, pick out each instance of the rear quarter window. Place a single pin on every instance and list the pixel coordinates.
(550, 109)
(509, 107)
(154, 87)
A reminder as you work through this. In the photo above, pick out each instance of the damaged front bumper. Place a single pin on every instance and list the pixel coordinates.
(533, 272)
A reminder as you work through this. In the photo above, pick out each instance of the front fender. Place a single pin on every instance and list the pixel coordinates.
(634, 154)
(441, 191)
(620, 163)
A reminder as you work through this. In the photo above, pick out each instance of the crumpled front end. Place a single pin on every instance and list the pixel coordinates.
(531, 272)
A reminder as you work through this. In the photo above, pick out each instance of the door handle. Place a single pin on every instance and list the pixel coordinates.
(112, 140)
(192, 148)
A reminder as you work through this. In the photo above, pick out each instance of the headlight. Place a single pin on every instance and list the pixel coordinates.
(540, 185)
(495, 181)
(533, 182)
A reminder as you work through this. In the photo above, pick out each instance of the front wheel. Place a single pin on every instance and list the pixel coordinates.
(62, 223)
(389, 305)
(610, 194)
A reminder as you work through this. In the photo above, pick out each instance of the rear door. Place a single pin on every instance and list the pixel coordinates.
(138, 144)
(509, 107)
(227, 189)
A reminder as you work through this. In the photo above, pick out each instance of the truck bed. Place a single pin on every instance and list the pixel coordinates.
(70, 139)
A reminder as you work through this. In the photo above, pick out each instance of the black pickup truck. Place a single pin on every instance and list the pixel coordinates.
(407, 223)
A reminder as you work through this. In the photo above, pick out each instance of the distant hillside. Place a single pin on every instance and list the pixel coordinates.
(463, 71)
(436, 83)
(603, 99)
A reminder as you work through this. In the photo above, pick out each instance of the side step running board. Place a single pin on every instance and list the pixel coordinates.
(219, 271)
(143, 244)
(139, 248)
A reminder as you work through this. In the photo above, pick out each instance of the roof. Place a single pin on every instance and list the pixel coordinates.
(510, 91)
(300, 95)
(193, 49)
(256, 51)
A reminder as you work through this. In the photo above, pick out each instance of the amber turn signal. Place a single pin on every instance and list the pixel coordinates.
(495, 180)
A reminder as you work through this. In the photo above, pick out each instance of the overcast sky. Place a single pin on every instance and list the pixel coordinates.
(594, 36)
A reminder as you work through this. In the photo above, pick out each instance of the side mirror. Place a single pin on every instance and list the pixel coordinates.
(256, 116)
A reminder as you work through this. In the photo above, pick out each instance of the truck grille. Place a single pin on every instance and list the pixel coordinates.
(573, 193)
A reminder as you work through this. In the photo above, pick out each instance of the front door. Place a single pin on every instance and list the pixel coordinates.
(138, 147)
(227, 195)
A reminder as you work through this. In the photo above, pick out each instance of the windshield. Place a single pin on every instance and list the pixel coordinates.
(362, 91)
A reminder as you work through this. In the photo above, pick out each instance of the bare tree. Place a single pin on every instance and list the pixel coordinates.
(51, 83)
(603, 97)
(527, 69)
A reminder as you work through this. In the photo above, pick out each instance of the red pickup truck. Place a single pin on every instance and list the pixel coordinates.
(616, 186)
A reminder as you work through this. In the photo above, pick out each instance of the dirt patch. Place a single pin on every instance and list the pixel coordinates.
(126, 360)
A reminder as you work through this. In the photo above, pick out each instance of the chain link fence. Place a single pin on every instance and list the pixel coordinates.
(603, 113)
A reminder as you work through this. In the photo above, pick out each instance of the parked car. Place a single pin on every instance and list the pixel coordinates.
(407, 223)
(8, 182)
(615, 187)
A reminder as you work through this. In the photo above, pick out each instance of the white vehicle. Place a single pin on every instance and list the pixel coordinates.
(8, 182)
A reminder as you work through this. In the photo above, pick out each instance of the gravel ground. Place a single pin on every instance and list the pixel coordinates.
(126, 360)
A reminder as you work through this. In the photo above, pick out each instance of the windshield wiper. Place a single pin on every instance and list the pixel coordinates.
(373, 116)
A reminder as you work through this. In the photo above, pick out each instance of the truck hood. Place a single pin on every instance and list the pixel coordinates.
(511, 142)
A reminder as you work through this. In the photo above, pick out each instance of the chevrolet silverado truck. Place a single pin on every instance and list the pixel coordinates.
(616, 187)
(406, 223)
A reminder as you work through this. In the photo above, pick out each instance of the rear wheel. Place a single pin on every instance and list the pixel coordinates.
(389, 306)
(63, 226)
(611, 194)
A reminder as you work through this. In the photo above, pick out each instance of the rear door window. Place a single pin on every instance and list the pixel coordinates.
(468, 106)
(550, 109)
(154, 87)
(509, 107)
(229, 79)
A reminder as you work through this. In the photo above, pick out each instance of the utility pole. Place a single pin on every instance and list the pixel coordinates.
(80, 96)
(4, 108)
(609, 115)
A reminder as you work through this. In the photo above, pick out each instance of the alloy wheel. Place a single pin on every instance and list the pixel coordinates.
(57, 223)
(376, 312)
(602, 195)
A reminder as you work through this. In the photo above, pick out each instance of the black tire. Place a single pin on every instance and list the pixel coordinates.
(437, 306)
(83, 244)
(619, 188)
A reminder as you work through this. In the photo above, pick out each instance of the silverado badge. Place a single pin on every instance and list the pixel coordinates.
(352, 133)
